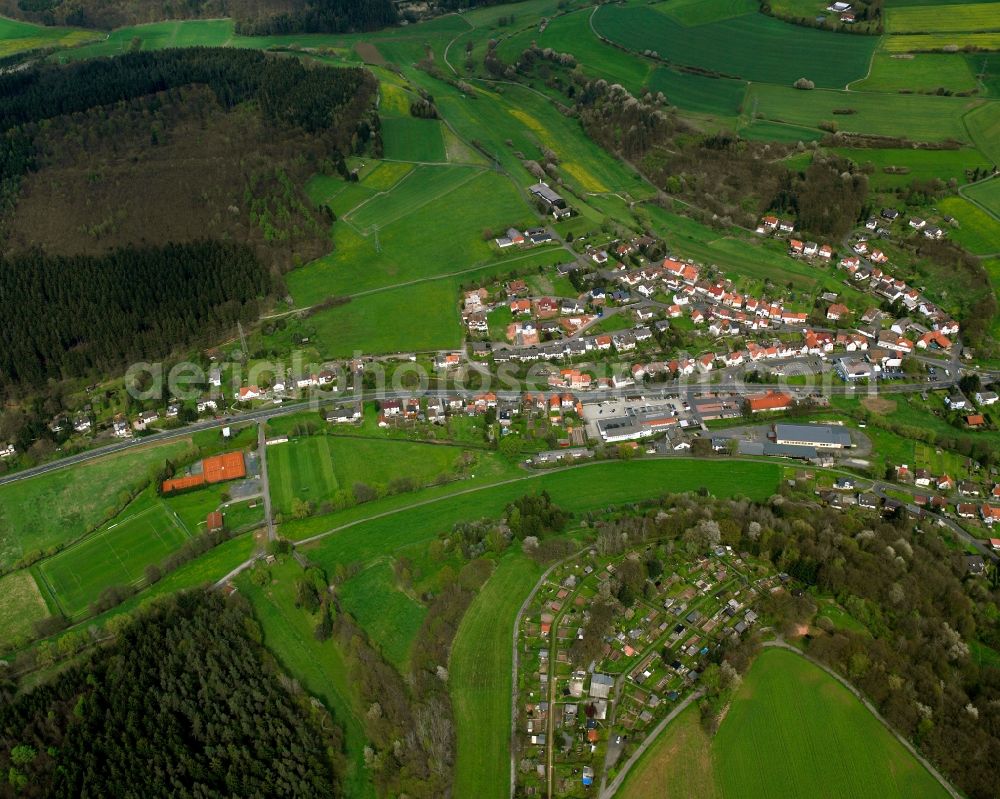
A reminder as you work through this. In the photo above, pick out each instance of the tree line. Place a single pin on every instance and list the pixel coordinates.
(322, 16)
(185, 702)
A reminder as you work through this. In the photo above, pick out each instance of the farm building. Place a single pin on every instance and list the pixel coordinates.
(213, 521)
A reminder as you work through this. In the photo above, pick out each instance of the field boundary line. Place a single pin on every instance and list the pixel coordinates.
(782, 644)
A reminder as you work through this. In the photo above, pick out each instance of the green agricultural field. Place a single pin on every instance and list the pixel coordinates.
(19, 37)
(143, 534)
(917, 117)
(480, 679)
(752, 46)
(930, 19)
(701, 12)
(923, 72)
(21, 605)
(983, 124)
(792, 730)
(391, 618)
(978, 232)
(919, 164)
(42, 513)
(318, 666)
(931, 42)
(413, 139)
(780, 132)
(987, 195)
(698, 93)
(386, 174)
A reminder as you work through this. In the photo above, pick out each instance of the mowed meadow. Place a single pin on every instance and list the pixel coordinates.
(791, 730)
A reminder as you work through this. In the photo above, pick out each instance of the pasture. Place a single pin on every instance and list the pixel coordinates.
(20, 37)
(792, 730)
(39, 514)
(480, 679)
(391, 618)
(923, 72)
(318, 666)
(917, 117)
(21, 605)
(412, 139)
(987, 194)
(145, 533)
(918, 164)
(978, 232)
(930, 19)
(752, 46)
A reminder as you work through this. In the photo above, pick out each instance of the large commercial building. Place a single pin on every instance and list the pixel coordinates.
(821, 436)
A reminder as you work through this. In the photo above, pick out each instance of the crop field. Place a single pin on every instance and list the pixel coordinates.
(978, 232)
(923, 72)
(19, 37)
(386, 174)
(791, 730)
(752, 46)
(930, 42)
(145, 533)
(391, 618)
(987, 194)
(917, 117)
(929, 19)
(919, 164)
(315, 467)
(412, 139)
(699, 93)
(701, 12)
(21, 605)
(983, 124)
(318, 666)
(480, 679)
(40, 513)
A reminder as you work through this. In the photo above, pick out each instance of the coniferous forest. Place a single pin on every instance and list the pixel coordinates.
(185, 703)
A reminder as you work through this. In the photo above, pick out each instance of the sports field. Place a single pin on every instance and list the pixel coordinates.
(792, 730)
(144, 533)
(19, 37)
(43, 512)
(314, 468)
(391, 618)
(480, 679)
(751, 46)
(21, 605)
(930, 19)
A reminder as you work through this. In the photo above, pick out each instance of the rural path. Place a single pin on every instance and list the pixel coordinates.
(264, 484)
(612, 788)
(782, 644)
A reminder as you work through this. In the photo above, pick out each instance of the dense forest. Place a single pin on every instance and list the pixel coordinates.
(186, 702)
(322, 16)
(102, 313)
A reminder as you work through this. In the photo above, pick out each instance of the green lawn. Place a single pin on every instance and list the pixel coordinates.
(923, 72)
(42, 513)
(978, 232)
(143, 534)
(21, 605)
(18, 37)
(391, 618)
(751, 46)
(480, 679)
(917, 117)
(792, 730)
(413, 139)
(318, 666)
